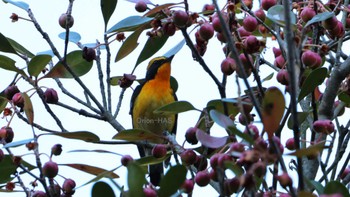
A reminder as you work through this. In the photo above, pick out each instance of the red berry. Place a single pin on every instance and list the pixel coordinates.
(221, 37)
(126, 159)
(290, 144)
(89, 54)
(18, 100)
(190, 135)
(276, 51)
(247, 63)
(39, 194)
(283, 77)
(208, 9)
(51, 96)
(223, 158)
(141, 6)
(251, 44)
(202, 178)
(149, 192)
(280, 61)
(188, 157)
(7, 134)
(323, 126)
(206, 31)
(259, 169)
(56, 149)
(68, 186)
(284, 179)
(330, 23)
(266, 4)
(243, 32)
(169, 29)
(10, 91)
(159, 151)
(253, 131)
(50, 169)
(345, 173)
(338, 31)
(228, 66)
(180, 18)
(201, 163)
(250, 23)
(307, 14)
(237, 147)
(188, 186)
(214, 161)
(232, 186)
(310, 59)
(260, 14)
(216, 24)
(63, 21)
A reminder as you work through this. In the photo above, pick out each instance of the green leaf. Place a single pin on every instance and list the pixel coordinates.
(173, 84)
(317, 185)
(5, 45)
(136, 135)
(77, 64)
(78, 135)
(234, 167)
(268, 77)
(159, 8)
(102, 189)
(129, 45)
(335, 187)
(37, 64)
(105, 174)
(3, 103)
(169, 185)
(276, 14)
(218, 105)
(301, 118)
(129, 24)
(114, 81)
(320, 17)
(136, 180)
(94, 151)
(314, 79)
(9, 64)
(18, 143)
(28, 108)
(149, 160)
(245, 136)
(309, 151)
(8, 168)
(210, 141)
(19, 48)
(19, 4)
(152, 45)
(344, 97)
(73, 36)
(89, 169)
(175, 108)
(175, 49)
(107, 8)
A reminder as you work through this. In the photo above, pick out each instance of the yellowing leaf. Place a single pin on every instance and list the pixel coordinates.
(273, 107)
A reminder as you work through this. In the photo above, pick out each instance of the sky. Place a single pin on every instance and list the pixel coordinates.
(194, 83)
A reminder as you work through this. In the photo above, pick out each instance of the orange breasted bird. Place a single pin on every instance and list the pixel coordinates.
(153, 93)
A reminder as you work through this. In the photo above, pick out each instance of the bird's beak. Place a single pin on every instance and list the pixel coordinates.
(170, 58)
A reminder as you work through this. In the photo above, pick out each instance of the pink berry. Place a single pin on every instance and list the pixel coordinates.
(250, 23)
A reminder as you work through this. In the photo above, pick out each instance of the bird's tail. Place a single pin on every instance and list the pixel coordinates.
(156, 171)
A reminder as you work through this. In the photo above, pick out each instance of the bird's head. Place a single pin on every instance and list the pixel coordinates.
(159, 67)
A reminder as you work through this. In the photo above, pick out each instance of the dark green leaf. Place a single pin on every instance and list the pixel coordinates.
(78, 135)
(8, 168)
(276, 14)
(149, 160)
(9, 64)
(129, 24)
(28, 108)
(105, 174)
(17, 143)
(77, 64)
(169, 184)
(218, 105)
(19, 4)
(268, 77)
(5, 45)
(314, 79)
(210, 141)
(235, 168)
(159, 8)
(152, 45)
(102, 189)
(245, 136)
(301, 118)
(136, 180)
(175, 49)
(107, 8)
(173, 84)
(3, 103)
(335, 187)
(89, 169)
(73, 36)
(317, 185)
(37, 64)
(175, 108)
(320, 17)
(136, 135)
(344, 96)
(20, 49)
(129, 45)
(94, 151)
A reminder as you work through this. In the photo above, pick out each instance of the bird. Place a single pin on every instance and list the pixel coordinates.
(154, 92)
